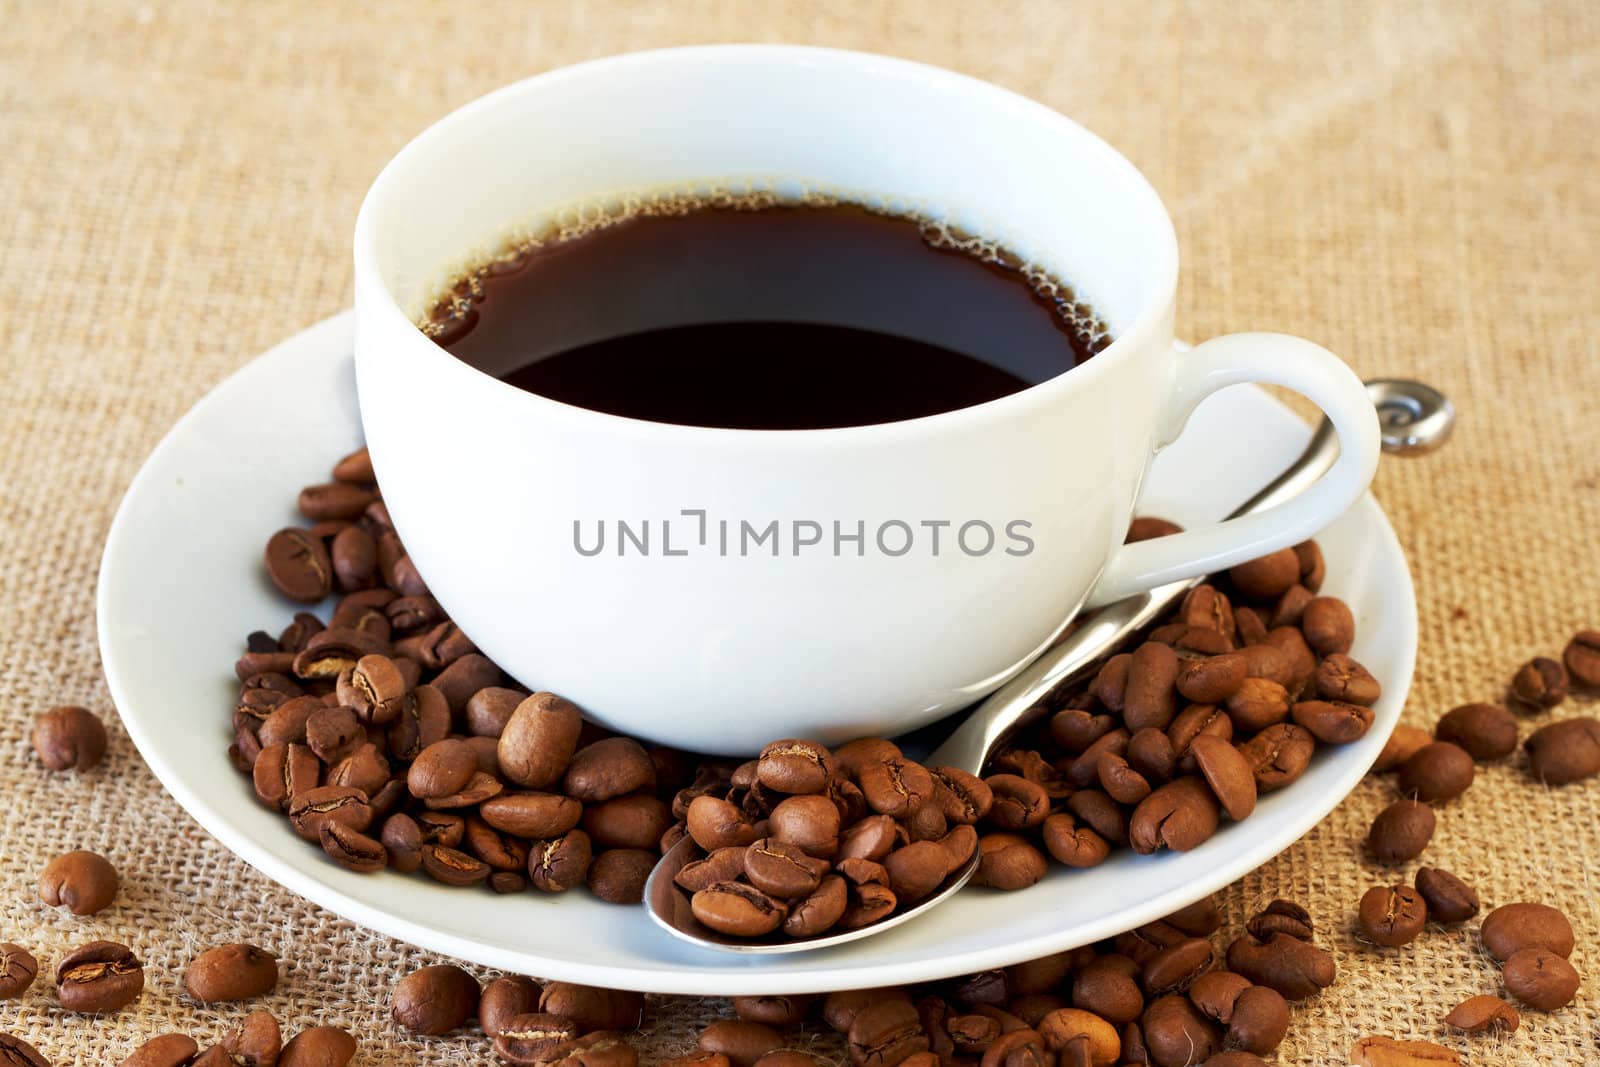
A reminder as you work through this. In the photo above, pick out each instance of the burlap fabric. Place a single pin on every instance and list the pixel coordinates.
(1413, 185)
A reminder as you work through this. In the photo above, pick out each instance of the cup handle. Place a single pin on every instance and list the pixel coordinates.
(1277, 359)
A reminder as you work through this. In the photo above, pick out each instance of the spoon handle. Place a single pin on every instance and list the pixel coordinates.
(1081, 652)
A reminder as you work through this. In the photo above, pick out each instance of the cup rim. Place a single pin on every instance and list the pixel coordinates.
(369, 276)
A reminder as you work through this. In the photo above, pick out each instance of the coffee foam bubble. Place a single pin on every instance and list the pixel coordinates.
(569, 222)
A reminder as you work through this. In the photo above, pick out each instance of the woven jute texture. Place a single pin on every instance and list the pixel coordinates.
(1413, 185)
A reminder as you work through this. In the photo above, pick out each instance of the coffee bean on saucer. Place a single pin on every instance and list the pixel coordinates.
(1228, 774)
(69, 738)
(1180, 815)
(1540, 978)
(1147, 527)
(1560, 753)
(1328, 625)
(1582, 658)
(1479, 1014)
(561, 863)
(1511, 928)
(608, 768)
(1539, 684)
(1340, 678)
(435, 1000)
(1401, 831)
(318, 1046)
(164, 1050)
(1449, 899)
(1333, 722)
(617, 875)
(82, 882)
(99, 978)
(299, 565)
(1391, 915)
(1440, 771)
(1267, 577)
(452, 866)
(352, 849)
(334, 500)
(15, 1052)
(1485, 731)
(17, 970)
(231, 972)
(1279, 755)
(355, 468)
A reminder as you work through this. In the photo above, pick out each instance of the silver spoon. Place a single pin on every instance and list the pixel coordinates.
(1413, 418)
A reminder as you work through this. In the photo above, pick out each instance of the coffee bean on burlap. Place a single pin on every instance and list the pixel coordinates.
(1485, 731)
(1449, 899)
(1401, 831)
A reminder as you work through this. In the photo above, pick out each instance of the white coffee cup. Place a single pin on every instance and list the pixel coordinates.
(499, 493)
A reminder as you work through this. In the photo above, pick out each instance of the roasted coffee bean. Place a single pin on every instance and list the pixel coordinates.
(1120, 781)
(532, 1039)
(867, 903)
(318, 1046)
(1260, 1020)
(1143, 942)
(299, 566)
(1200, 919)
(1180, 815)
(441, 828)
(820, 911)
(1214, 679)
(1175, 1034)
(885, 1033)
(1065, 1025)
(507, 882)
(972, 1034)
(435, 1000)
(1258, 703)
(1150, 699)
(531, 815)
(1437, 772)
(504, 999)
(480, 787)
(441, 646)
(402, 839)
(1150, 753)
(962, 797)
(287, 723)
(231, 972)
(1484, 731)
(1018, 1048)
(634, 821)
(1332, 722)
(17, 970)
(465, 677)
(1475, 1015)
(1146, 527)
(1216, 992)
(489, 710)
(303, 627)
(1328, 626)
(716, 823)
(1391, 915)
(617, 875)
(1511, 928)
(593, 1008)
(1075, 730)
(723, 865)
(810, 822)
(356, 468)
(99, 978)
(282, 772)
(1110, 687)
(795, 766)
(424, 719)
(69, 738)
(255, 1041)
(742, 1042)
(1540, 979)
(1109, 987)
(1197, 720)
(608, 768)
(1018, 803)
(784, 871)
(352, 849)
(452, 866)
(1582, 658)
(561, 863)
(1449, 899)
(1401, 831)
(895, 786)
(1344, 680)
(1281, 917)
(310, 810)
(1539, 684)
(917, 870)
(333, 733)
(355, 559)
(1291, 644)
(1564, 752)
(1074, 845)
(1100, 814)
(1007, 861)
(1228, 774)
(334, 500)
(252, 665)
(375, 689)
(1085, 770)
(1279, 755)
(1267, 577)
(15, 1052)
(165, 1050)
(1174, 967)
(774, 1010)
(1401, 746)
(1387, 1052)
(1205, 607)
(81, 882)
(443, 768)
(1296, 969)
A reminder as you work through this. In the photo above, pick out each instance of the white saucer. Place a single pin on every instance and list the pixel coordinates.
(181, 584)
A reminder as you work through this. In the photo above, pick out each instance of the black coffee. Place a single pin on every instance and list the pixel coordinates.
(769, 317)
